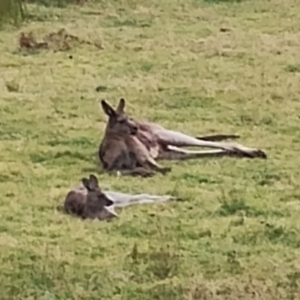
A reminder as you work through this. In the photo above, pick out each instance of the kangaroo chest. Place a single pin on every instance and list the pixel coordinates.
(117, 155)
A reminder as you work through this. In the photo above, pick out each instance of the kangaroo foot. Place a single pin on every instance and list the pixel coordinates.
(250, 153)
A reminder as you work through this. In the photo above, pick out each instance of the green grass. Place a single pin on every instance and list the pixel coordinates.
(11, 11)
(236, 234)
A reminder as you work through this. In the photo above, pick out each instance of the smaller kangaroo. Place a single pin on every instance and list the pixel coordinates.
(131, 147)
(88, 201)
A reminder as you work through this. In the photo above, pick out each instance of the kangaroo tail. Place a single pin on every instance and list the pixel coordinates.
(218, 137)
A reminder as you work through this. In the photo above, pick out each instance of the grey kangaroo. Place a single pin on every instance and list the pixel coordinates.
(131, 147)
(88, 201)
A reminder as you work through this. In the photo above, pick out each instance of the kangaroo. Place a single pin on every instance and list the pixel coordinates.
(122, 150)
(131, 147)
(88, 201)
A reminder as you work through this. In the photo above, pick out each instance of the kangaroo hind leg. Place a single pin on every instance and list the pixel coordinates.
(176, 153)
(178, 139)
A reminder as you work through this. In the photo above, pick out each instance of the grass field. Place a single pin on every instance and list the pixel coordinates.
(236, 234)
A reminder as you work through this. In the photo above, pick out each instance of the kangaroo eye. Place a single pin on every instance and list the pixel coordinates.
(122, 121)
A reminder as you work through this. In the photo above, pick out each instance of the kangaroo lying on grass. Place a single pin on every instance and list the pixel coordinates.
(131, 147)
(88, 201)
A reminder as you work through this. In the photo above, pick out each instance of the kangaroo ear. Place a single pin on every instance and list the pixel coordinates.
(86, 183)
(107, 108)
(93, 182)
(121, 106)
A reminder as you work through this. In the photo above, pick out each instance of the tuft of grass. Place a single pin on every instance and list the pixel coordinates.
(12, 86)
(160, 263)
(293, 68)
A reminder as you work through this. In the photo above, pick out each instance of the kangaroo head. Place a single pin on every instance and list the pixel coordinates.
(118, 122)
(97, 203)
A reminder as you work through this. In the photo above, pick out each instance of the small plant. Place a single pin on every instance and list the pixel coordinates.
(232, 207)
(163, 262)
(157, 262)
(12, 86)
(234, 202)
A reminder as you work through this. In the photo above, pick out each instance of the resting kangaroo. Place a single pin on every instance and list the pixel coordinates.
(131, 147)
(88, 201)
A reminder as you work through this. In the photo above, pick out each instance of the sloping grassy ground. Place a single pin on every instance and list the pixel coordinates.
(236, 235)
